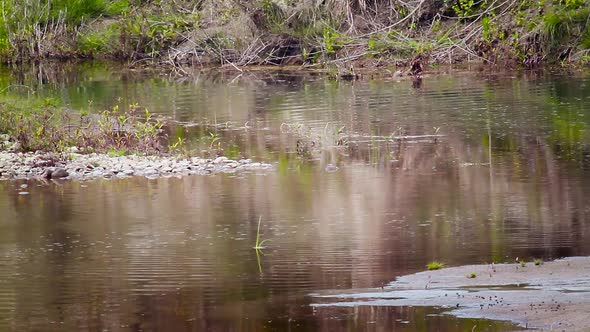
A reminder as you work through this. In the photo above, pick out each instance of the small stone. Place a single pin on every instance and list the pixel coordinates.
(219, 160)
(97, 174)
(59, 173)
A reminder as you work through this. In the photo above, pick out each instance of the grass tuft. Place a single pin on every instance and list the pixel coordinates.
(435, 265)
(259, 244)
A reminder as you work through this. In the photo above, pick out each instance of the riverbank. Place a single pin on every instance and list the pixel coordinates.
(337, 34)
(75, 166)
(551, 296)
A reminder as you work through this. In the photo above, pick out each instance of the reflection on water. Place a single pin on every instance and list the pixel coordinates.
(508, 177)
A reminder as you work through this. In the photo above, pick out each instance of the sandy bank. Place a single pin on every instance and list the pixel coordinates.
(552, 296)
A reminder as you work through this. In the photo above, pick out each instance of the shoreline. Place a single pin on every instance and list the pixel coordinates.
(554, 295)
(82, 167)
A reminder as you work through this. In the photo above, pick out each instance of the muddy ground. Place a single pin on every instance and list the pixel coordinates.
(551, 296)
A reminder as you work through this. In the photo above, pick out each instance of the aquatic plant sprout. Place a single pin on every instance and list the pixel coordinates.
(435, 265)
(259, 244)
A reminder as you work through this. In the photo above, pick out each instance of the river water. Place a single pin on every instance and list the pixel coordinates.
(373, 179)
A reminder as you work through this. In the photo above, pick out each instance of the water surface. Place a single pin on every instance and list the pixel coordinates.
(507, 177)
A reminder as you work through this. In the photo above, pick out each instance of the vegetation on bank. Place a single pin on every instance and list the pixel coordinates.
(337, 32)
(41, 125)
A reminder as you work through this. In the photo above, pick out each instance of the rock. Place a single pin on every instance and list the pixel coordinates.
(97, 174)
(59, 173)
(98, 166)
(14, 146)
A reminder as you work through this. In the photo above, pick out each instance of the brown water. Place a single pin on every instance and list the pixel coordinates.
(509, 176)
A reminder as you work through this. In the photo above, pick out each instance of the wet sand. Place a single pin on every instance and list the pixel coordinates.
(551, 296)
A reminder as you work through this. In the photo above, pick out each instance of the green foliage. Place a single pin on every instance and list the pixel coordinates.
(566, 26)
(406, 47)
(572, 4)
(77, 10)
(538, 261)
(40, 126)
(331, 40)
(487, 30)
(30, 28)
(118, 7)
(259, 243)
(472, 275)
(435, 265)
(139, 35)
(102, 41)
(150, 34)
(114, 152)
(464, 8)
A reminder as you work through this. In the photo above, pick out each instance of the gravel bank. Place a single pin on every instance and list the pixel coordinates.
(97, 166)
(552, 296)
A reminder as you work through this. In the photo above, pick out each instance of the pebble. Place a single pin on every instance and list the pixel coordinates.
(76, 166)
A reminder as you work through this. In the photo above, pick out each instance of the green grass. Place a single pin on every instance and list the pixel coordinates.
(102, 41)
(33, 29)
(114, 152)
(472, 275)
(30, 28)
(435, 265)
(259, 243)
(538, 261)
(522, 263)
(42, 125)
